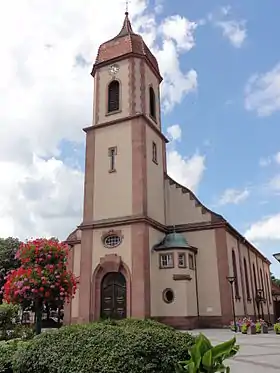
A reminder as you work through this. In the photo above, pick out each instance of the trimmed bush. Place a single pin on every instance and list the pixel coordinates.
(105, 347)
(137, 323)
(9, 319)
(7, 352)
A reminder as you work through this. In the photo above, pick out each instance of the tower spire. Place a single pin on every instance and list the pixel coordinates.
(126, 28)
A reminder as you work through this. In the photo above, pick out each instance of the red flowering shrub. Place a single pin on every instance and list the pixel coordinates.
(43, 276)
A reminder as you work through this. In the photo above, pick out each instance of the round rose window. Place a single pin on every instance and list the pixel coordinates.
(112, 240)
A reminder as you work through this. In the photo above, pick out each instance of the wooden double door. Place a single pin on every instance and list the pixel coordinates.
(113, 296)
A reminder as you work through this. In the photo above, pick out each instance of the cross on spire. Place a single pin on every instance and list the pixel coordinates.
(127, 2)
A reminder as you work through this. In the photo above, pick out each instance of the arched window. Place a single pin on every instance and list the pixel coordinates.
(113, 96)
(261, 279)
(262, 284)
(152, 97)
(247, 279)
(255, 278)
(236, 283)
(268, 288)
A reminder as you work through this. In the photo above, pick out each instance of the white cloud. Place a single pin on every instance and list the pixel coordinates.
(262, 92)
(175, 132)
(178, 36)
(277, 157)
(265, 229)
(225, 10)
(181, 30)
(234, 196)
(264, 162)
(186, 171)
(274, 183)
(176, 84)
(233, 30)
(40, 199)
(159, 6)
(46, 97)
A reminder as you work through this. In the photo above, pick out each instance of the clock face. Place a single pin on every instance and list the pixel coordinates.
(113, 69)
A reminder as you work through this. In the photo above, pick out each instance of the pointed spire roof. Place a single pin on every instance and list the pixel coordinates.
(126, 28)
(125, 44)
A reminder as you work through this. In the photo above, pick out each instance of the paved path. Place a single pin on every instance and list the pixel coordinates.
(258, 353)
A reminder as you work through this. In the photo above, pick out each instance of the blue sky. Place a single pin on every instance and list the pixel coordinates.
(214, 118)
(220, 100)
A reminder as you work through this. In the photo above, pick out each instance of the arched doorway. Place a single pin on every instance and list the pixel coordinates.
(113, 296)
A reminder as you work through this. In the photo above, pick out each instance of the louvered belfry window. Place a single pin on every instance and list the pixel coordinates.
(152, 103)
(113, 96)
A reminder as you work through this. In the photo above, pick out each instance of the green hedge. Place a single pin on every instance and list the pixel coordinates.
(130, 346)
(135, 323)
(7, 353)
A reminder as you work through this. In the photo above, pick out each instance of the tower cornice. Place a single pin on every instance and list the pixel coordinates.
(126, 119)
(99, 65)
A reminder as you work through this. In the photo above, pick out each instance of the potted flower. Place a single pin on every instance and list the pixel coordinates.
(244, 329)
(239, 324)
(246, 323)
(232, 326)
(264, 326)
(235, 326)
(252, 328)
(258, 327)
(277, 328)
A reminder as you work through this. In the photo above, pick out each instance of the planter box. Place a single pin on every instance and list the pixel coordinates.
(265, 329)
(252, 330)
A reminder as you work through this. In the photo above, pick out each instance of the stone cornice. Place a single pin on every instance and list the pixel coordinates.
(180, 228)
(126, 119)
(99, 65)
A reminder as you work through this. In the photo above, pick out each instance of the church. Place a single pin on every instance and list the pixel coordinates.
(147, 247)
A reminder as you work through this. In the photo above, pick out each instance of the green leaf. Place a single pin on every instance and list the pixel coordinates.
(223, 349)
(195, 353)
(191, 368)
(205, 344)
(207, 360)
(233, 351)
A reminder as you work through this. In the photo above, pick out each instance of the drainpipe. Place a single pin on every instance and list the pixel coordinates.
(196, 287)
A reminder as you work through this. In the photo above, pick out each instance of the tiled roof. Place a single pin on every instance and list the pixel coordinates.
(124, 43)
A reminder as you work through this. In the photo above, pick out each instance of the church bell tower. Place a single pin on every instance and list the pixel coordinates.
(124, 180)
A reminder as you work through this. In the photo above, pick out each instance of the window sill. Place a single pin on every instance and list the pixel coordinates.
(237, 297)
(155, 162)
(249, 300)
(169, 267)
(182, 266)
(112, 171)
(113, 112)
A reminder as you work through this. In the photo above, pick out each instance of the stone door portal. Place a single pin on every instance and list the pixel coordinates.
(113, 296)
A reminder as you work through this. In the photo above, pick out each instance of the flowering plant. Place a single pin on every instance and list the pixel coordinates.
(277, 328)
(246, 323)
(43, 276)
(258, 327)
